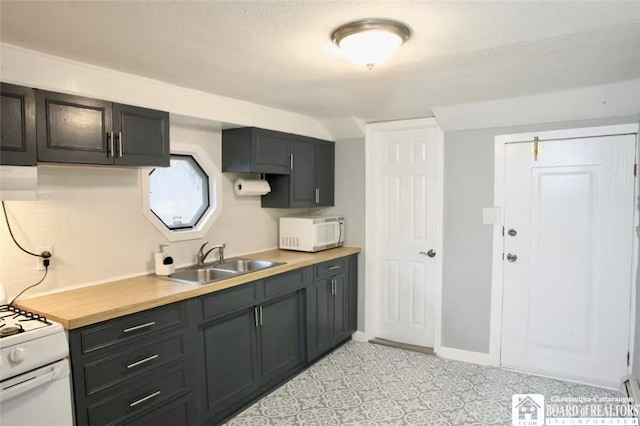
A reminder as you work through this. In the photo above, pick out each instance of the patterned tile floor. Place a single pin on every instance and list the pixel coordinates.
(365, 384)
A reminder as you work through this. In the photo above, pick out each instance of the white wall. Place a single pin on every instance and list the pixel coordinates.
(42, 71)
(92, 216)
(468, 187)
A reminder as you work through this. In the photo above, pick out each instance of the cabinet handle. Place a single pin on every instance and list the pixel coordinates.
(120, 145)
(110, 152)
(333, 268)
(142, 361)
(138, 327)
(317, 195)
(260, 315)
(255, 316)
(146, 398)
(333, 286)
(291, 161)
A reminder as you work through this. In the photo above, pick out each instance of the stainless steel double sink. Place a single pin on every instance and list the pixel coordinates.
(212, 272)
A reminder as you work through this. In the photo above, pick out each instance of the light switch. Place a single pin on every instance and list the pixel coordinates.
(491, 215)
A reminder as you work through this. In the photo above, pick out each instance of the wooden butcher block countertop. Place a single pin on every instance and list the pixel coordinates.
(90, 305)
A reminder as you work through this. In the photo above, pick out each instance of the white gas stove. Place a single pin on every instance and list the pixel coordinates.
(34, 370)
(28, 341)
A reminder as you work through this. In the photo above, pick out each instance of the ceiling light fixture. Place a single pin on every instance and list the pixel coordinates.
(369, 42)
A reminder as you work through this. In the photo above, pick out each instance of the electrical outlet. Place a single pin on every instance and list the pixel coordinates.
(40, 261)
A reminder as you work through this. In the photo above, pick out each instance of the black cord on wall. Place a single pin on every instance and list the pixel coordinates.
(44, 255)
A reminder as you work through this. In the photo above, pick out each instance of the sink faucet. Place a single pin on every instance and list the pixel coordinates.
(201, 256)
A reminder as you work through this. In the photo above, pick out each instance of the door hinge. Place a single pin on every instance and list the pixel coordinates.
(628, 358)
(503, 231)
(536, 148)
(502, 256)
(635, 169)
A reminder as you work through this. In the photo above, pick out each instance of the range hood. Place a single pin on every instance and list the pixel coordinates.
(18, 182)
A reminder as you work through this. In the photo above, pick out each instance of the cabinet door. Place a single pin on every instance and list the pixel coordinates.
(281, 336)
(17, 125)
(72, 129)
(340, 307)
(270, 152)
(319, 318)
(325, 173)
(141, 136)
(303, 175)
(230, 360)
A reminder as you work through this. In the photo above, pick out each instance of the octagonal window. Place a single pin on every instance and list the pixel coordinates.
(183, 200)
(179, 194)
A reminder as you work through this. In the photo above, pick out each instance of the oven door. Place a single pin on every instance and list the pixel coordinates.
(38, 397)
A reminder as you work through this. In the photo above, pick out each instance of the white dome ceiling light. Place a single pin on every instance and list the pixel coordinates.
(369, 42)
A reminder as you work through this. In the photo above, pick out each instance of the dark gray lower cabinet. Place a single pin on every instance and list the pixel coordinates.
(251, 350)
(281, 335)
(230, 360)
(136, 370)
(331, 305)
(200, 361)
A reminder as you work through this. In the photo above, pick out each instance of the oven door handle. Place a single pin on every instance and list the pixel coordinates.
(25, 382)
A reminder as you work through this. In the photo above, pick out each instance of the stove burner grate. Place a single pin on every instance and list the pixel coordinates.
(17, 312)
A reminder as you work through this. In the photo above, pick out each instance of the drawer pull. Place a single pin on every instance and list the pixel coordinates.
(138, 327)
(142, 361)
(146, 398)
(333, 268)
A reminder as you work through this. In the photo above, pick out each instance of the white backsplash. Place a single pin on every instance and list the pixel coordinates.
(93, 219)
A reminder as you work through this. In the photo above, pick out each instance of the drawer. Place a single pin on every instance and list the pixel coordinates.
(175, 413)
(225, 301)
(138, 399)
(330, 268)
(283, 283)
(106, 372)
(132, 327)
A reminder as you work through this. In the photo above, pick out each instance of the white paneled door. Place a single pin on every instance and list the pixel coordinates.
(568, 244)
(406, 234)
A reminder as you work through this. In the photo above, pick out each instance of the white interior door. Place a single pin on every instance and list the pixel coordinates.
(406, 173)
(568, 226)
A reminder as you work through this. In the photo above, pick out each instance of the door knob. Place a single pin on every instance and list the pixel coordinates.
(512, 232)
(430, 253)
(512, 257)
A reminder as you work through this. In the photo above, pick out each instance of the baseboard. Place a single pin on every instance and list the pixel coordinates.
(462, 355)
(359, 336)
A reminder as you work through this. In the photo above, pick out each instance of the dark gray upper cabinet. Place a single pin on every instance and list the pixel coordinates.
(74, 129)
(325, 172)
(141, 136)
(311, 182)
(254, 150)
(303, 182)
(300, 170)
(17, 126)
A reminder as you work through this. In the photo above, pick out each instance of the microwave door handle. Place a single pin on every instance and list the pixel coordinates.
(338, 233)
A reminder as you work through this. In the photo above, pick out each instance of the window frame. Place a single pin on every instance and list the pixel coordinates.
(211, 213)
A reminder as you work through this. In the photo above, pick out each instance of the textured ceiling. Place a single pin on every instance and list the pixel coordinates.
(279, 54)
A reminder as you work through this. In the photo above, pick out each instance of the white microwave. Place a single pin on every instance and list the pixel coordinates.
(311, 233)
